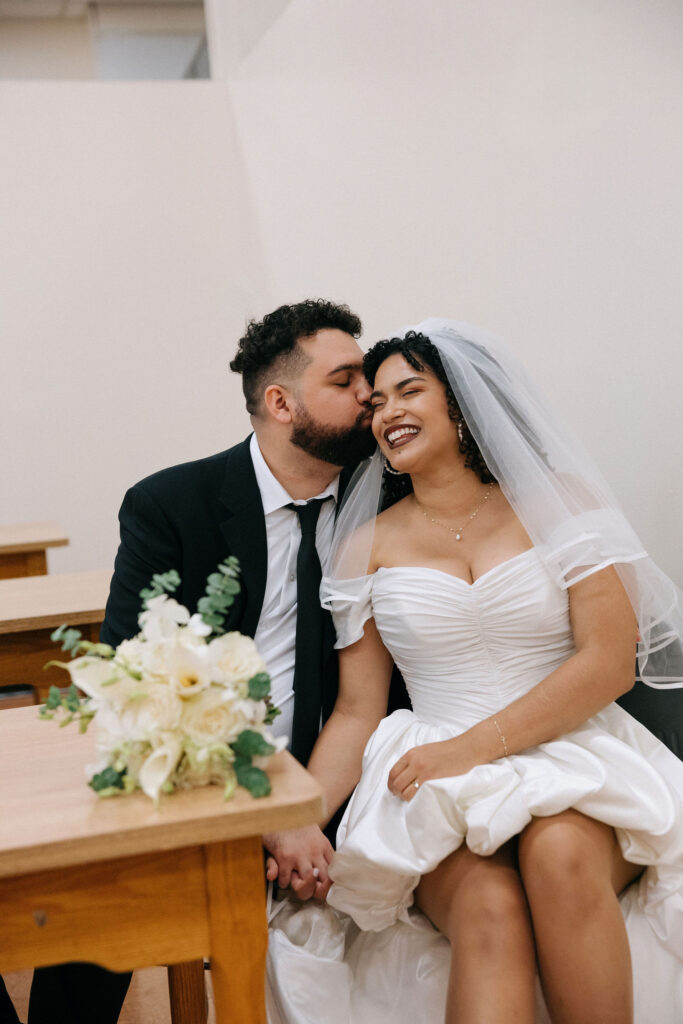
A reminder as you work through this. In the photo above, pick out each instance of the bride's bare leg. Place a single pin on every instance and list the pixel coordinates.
(479, 904)
(572, 870)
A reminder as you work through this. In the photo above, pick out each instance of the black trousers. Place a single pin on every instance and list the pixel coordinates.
(76, 994)
(8, 1015)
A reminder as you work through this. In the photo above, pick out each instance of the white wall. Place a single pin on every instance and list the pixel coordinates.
(513, 164)
(128, 265)
(517, 165)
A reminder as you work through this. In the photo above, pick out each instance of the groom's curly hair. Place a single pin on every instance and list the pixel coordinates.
(418, 351)
(269, 346)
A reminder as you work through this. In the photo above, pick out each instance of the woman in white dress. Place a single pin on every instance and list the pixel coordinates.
(516, 803)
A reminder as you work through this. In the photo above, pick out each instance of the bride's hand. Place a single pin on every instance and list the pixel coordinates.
(299, 860)
(430, 761)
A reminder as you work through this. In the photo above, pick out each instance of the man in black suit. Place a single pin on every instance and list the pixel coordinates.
(308, 400)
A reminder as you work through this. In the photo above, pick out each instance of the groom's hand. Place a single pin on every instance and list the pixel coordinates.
(299, 859)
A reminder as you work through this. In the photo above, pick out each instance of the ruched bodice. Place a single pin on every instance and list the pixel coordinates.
(468, 649)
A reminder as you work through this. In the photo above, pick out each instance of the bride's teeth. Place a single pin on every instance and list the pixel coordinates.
(394, 435)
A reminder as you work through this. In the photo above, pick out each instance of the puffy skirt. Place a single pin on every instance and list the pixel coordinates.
(370, 957)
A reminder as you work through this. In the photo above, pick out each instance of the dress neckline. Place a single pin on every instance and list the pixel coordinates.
(507, 563)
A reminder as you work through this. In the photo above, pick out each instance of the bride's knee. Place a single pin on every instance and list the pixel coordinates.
(564, 866)
(486, 911)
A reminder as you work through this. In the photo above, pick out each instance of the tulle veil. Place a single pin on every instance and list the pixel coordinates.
(558, 493)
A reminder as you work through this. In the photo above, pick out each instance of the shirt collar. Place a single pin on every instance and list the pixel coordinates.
(273, 494)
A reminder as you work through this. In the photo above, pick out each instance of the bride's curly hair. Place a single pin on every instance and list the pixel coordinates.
(418, 351)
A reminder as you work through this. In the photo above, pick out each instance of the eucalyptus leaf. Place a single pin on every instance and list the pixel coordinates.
(259, 686)
(251, 744)
(109, 778)
(252, 778)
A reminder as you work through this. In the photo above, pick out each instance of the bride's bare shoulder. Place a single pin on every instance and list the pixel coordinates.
(389, 531)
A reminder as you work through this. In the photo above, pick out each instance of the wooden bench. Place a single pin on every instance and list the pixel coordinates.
(23, 547)
(31, 607)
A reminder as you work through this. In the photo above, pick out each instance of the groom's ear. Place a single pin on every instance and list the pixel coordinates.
(278, 402)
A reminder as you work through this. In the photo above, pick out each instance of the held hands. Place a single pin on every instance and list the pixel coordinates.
(431, 761)
(299, 860)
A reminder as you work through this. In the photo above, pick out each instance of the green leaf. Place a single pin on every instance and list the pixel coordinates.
(251, 744)
(161, 583)
(72, 701)
(252, 778)
(221, 588)
(107, 779)
(69, 638)
(54, 698)
(271, 714)
(259, 686)
(98, 650)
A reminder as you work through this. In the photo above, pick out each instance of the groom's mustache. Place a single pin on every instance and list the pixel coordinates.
(364, 418)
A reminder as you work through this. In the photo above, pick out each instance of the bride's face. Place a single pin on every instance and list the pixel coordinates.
(410, 418)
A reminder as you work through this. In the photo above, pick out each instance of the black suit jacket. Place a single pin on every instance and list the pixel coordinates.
(189, 518)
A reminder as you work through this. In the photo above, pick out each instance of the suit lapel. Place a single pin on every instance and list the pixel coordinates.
(244, 530)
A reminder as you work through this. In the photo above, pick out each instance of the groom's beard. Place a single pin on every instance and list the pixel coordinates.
(336, 445)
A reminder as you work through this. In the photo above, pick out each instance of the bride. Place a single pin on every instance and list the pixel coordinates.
(517, 808)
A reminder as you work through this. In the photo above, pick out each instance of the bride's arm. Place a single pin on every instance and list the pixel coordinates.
(300, 857)
(600, 670)
(364, 678)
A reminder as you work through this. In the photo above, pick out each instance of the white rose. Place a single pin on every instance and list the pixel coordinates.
(211, 718)
(151, 709)
(235, 658)
(131, 654)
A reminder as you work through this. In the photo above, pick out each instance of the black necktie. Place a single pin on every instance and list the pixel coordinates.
(310, 627)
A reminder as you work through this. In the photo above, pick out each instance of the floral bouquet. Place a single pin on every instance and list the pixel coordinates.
(182, 704)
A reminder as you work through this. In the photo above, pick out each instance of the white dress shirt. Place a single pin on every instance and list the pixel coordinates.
(276, 631)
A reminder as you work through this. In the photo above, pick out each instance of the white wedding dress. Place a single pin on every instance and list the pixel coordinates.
(465, 652)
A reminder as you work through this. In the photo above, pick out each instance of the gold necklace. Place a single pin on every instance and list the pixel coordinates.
(473, 515)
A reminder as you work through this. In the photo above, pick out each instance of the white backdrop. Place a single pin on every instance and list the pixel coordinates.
(515, 165)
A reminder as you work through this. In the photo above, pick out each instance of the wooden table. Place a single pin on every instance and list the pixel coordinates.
(23, 547)
(122, 884)
(31, 608)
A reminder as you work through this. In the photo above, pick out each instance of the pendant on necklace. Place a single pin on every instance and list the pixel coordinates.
(457, 536)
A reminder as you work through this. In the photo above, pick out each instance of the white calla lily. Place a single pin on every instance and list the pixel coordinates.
(188, 668)
(159, 766)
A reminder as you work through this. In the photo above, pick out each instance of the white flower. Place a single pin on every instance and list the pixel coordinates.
(236, 659)
(213, 717)
(130, 654)
(159, 766)
(162, 617)
(188, 668)
(97, 677)
(197, 625)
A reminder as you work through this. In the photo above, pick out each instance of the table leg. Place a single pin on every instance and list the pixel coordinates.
(238, 929)
(187, 992)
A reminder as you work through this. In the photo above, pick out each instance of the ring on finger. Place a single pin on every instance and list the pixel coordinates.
(416, 784)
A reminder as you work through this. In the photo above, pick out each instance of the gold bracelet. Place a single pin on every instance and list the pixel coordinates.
(502, 738)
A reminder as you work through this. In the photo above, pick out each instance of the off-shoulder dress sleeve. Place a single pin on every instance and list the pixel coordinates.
(350, 602)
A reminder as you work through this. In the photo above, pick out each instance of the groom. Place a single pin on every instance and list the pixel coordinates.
(307, 397)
